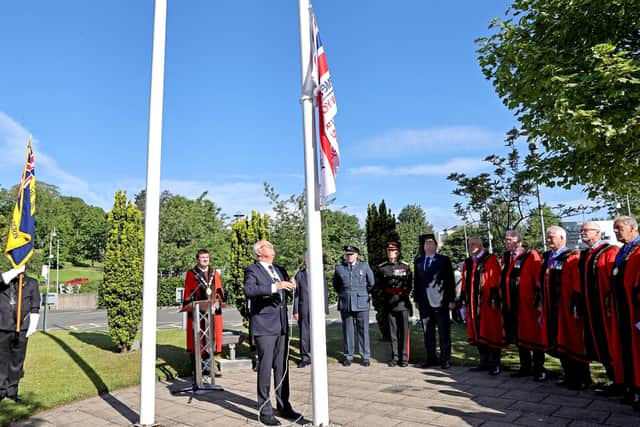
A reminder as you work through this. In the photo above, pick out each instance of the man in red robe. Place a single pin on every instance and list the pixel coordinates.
(562, 328)
(481, 294)
(520, 285)
(596, 266)
(625, 319)
(203, 283)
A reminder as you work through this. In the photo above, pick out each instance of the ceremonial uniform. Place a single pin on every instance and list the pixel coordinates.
(353, 283)
(625, 321)
(395, 281)
(520, 285)
(201, 285)
(563, 328)
(481, 294)
(13, 346)
(596, 267)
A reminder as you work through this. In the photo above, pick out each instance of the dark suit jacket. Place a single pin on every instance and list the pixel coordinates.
(268, 311)
(301, 297)
(438, 275)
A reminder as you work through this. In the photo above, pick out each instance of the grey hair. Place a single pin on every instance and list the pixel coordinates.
(592, 224)
(514, 233)
(558, 230)
(627, 220)
(257, 246)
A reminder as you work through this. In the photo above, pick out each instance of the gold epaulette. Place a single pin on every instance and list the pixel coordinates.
(404, 262)
(383, 263)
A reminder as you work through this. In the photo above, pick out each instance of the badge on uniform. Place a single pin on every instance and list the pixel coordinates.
(557, 265)
(615, 271)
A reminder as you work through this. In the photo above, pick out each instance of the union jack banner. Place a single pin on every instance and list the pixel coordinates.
(22, 228)
(322, 89)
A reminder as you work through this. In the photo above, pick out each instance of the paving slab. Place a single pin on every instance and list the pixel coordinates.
(358, 396)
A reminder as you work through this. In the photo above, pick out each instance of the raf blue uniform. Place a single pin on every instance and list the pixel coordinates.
(353, 284)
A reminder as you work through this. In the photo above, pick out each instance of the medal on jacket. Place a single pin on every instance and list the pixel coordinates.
(615, 271)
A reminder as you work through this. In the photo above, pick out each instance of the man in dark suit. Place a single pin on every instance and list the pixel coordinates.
(434, 294)
(266, 286)
(301, 313)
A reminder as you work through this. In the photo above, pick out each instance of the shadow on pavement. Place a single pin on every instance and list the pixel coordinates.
(101, 387)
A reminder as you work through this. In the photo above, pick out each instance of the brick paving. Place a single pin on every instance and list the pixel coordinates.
(359, 396)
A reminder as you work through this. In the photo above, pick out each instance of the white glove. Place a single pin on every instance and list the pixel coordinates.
(33, 323)
(638, 326)
(11, 274)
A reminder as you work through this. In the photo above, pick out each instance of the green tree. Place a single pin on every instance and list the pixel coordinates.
(381, 228)
(338, 229)
(571, 72)
(412, 222)
(187, 225)
(455, 245)
(244, 233)
(288, 228)
(532, 233)
(122, 287)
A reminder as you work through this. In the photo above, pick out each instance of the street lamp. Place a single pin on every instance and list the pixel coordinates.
(46, 303)
(57, 266)
(533, 148)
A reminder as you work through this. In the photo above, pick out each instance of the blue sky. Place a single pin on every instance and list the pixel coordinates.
(413, 105)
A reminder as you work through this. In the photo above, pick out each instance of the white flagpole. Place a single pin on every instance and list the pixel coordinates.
(151, 220)
(319, 382)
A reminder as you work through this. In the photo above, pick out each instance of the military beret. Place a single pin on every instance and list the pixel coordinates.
(350, 249)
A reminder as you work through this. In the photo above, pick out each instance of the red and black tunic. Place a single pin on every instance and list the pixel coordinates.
(562, 328)
(196, 284)
(596, 266)
(624, 344)
(481, 292)
(520, 285)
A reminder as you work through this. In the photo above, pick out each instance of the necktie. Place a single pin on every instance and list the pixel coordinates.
(276, 278)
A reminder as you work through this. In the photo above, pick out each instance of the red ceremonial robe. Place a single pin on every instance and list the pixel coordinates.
(481, 291)
(625, 301)
(596, 266)
(195, 289)
(562, 328)
(521, 288)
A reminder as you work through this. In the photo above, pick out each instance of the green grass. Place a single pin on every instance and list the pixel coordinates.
(94, 274)
(64, 366)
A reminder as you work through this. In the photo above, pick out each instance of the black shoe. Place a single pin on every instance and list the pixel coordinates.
(445, 365)
(540, 378)
(346, 362)
(495, 371)
(563, 383)
(365, 363)
(15, 398)
(478, 368)
(403, 364)
(304, 363)
(520, 374)
(392, 364)
(288, 414)
(429, 363)
(611, 390)
(269, 420)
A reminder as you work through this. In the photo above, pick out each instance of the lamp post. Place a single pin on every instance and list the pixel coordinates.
(57, 266)
(46, 303)
(533, 148)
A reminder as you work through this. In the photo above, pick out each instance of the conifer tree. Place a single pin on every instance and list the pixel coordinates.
(123, 265)
(381, 228)
(244, 233)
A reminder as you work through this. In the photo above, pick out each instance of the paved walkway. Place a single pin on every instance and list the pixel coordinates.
(358, 396)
